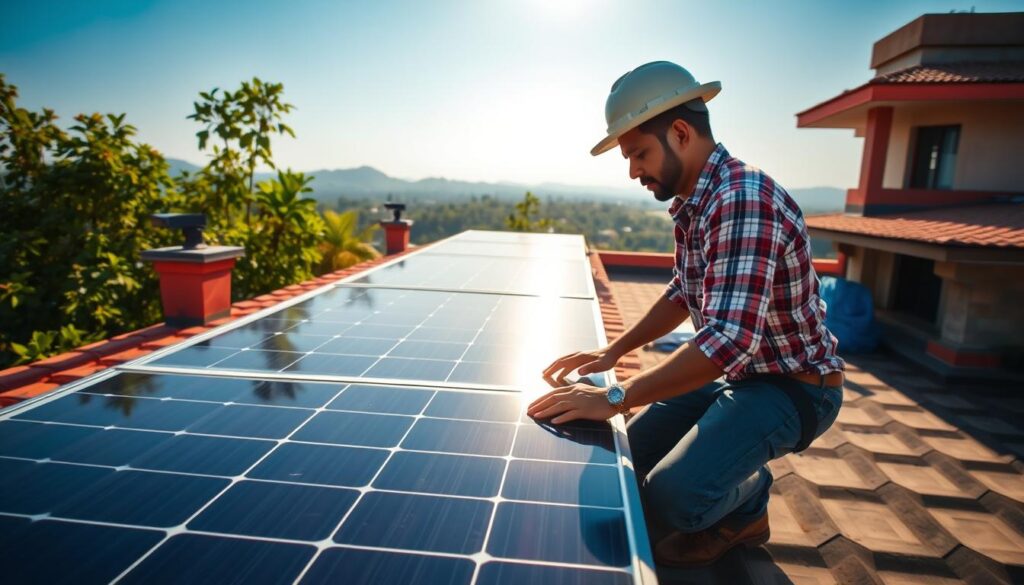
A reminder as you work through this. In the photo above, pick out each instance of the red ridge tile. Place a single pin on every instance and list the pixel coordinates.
(78, 373)
(110, 346)
(20, 375)
(25, 392)
(124, 356)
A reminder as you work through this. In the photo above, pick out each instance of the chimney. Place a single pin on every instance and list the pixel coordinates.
(195, 279)
(396, 231)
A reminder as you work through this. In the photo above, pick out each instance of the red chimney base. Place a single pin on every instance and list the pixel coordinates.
(195, 293)
(396, 235)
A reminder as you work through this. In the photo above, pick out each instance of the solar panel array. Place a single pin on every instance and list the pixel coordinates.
(358, 434)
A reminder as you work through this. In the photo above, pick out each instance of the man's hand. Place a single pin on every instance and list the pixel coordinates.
(588, 362)
(578, 401)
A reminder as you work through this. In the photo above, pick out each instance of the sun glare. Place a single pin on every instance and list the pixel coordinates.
(561, 10)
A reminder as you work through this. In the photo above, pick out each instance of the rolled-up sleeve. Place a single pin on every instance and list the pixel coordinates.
(741, 244)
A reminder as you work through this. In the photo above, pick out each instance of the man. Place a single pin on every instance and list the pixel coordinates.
(743, 274)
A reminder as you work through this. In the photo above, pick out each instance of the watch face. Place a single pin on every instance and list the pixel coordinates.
(616, 395)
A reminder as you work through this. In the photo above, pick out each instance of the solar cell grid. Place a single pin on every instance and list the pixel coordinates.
(250, 455)
(392, 334)
(396, 471)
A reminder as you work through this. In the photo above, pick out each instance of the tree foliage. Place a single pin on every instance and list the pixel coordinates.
(279, 227)
(522, 217)
(344, 244)
(74, 211)
(75, 207)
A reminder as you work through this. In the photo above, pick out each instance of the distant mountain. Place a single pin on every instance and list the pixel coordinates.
(813, 200)
(366, 182)
(177, 166)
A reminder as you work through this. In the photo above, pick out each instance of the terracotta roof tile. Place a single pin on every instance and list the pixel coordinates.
(996, 225)
(1001, 72)
(17, 376)
(904, 488)
(75, 374)
(26, 392)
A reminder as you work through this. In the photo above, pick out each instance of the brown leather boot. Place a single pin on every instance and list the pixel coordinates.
(699, 549)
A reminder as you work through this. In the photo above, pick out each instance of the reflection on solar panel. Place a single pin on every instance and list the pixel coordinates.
(505, 249)
(534, 276)
(261, 453)
(398, 334)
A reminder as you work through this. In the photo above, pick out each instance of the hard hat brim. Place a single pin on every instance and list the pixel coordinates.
(707, 92)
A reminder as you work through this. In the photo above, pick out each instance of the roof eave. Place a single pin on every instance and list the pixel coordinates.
(949, 252)
(827, 114)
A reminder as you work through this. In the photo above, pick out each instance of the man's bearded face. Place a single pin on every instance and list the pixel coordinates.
(669, 176)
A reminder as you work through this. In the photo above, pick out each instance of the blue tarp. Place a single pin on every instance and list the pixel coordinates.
(672, 341)
(850, 314)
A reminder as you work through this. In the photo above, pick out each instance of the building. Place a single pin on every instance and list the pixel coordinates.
(935, 228)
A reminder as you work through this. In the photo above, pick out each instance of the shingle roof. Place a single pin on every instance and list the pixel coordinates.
(916, 482)
(1002, 72)
(996, 225)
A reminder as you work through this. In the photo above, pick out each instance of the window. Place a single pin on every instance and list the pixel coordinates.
(934, 157)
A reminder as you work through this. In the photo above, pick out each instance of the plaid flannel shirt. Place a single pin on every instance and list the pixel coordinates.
(743, 269)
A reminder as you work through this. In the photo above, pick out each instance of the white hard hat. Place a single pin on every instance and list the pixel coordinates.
(647, 91)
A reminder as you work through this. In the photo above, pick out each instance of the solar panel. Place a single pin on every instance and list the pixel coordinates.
(552, 240)
(505, 249)
(457, 483)
(360, 433)
(532, 276)
(400, 334)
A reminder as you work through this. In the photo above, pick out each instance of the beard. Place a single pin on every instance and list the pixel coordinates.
(671, 174)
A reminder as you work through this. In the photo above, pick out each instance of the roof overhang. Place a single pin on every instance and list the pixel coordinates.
(937, 252)
(849, 109)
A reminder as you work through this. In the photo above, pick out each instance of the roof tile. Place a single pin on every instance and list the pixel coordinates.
(110, 346)
(74, 374)
(994, 225)
(994, 72)
(983, 532)
(923, 479)
(1007, 483)
(863, 499)
(124, 356)
(10, 397)
(966, 449)
(16, 376)
(874, 526)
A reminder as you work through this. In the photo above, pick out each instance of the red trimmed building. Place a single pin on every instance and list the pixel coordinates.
(936, 226)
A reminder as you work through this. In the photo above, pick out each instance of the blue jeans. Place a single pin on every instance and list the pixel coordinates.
(702, 456)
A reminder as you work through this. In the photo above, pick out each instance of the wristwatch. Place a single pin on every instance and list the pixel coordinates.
(617, 398)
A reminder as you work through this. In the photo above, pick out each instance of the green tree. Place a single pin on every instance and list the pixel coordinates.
(278, 227)
(241, 124)
(74, 211)
(521, 219)
(344, 244)
(75, 208)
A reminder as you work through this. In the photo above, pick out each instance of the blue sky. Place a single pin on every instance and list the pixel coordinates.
(489, 90)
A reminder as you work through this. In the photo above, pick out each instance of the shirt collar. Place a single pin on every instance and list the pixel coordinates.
(704, 182)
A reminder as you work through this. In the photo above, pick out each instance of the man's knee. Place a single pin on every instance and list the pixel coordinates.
(683, 503)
